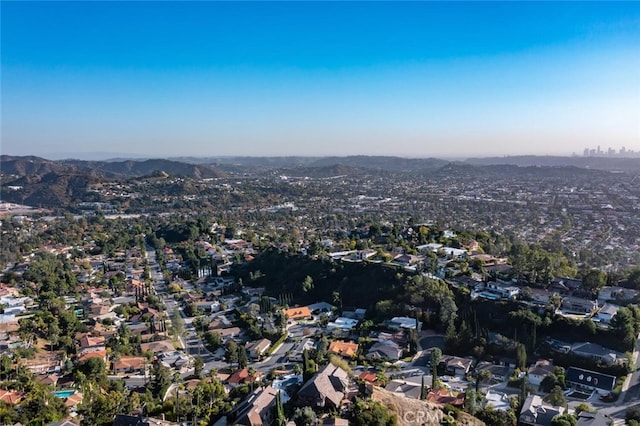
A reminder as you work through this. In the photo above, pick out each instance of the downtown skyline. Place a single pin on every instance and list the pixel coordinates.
(409, 79)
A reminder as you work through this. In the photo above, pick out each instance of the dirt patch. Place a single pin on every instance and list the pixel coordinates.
(412, 412)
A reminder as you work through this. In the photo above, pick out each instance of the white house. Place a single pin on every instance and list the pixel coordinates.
(607, 312)
(385, 349)
(498, 400)
(405, 322)
(538, 371)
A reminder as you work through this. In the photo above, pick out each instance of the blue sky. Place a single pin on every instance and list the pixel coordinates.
(414, 79)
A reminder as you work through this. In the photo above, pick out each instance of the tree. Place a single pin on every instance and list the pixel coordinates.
(483, 376)
(470, 400)
(198, 365)
(564, 420)
(231, 352)
(94, 369)
(494, 417)
(280, 418)
(549, 382)
(556, 397)
(160, 379)
(304, 417)
(435, 356)
(423, 390)
(242, 357)
(99, 409)
(623, 325)
(594, 279)
(521, 357)
(371, 413)
(632, 414)
(583, 406)
(307, 284)
(213, 340)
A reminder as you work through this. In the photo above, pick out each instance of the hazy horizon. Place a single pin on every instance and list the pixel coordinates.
(414, 80)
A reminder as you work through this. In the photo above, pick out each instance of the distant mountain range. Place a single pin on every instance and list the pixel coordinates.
(47, 183)
(50, 183)
(25, 166)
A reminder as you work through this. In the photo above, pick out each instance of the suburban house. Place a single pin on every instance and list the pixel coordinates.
(243, 376)
(397, 323)
(11, 397)
(578, 306)
(130, 364)
(407, 260)
(88, 343)
(158, 346)
(229, 333)
(503, 289)
(297, 314)
(344, 349)
(539, 370)
(327, 388)
(586, 418)
(257, 348)
(498, 372)
(536, 413)
(540, 296)
(589, 380)
(385, 349)
(445, 396)
(342, 323)
(597, 353)
(454, 365)
(567, 286)
(407, 389)
(607, 312)
(497, 400)
(297, 351)
(619, 294)
(255, 410)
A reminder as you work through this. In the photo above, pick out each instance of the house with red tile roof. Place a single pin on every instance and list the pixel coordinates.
(11, 396)
(344, 349)
(300, 313)
(243, 376)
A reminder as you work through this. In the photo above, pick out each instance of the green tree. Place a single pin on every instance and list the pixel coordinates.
(435, 356)
(583, 406)
(594, 279)
(231, 351)
(556, 397)
(521, 357)
(198, 365)
(280, 417)
(371, 413)
(304, 416)
(307, 284)
(632, 414)
(564, 420)
(242, 357)
(483, 376)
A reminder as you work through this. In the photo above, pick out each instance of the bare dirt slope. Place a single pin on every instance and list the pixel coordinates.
(411, 412)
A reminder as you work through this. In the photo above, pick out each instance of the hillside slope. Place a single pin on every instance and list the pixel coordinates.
(414, 412)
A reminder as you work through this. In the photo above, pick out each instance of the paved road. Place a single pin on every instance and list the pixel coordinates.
(190, 339)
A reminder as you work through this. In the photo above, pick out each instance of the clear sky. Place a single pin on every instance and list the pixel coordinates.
(414, 79)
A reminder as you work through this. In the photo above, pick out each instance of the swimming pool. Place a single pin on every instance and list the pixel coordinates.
(64, 393)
